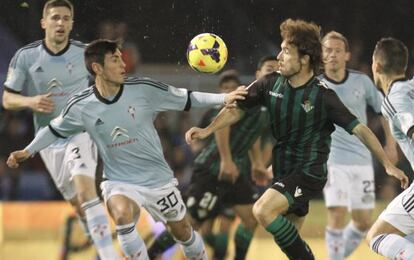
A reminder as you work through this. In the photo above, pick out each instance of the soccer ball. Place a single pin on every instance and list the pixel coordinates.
(207, 53)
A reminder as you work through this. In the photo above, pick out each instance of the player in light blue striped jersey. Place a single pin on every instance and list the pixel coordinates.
(391, 235)
(51, 70)
(118, 113)
(350, 185)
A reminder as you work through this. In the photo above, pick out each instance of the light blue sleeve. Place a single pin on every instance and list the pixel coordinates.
(374, 97)
(69, 122)
(400, 106)
(16, 75)
(171, 98)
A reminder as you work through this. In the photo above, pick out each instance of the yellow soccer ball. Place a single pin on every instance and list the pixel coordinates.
(207, 53)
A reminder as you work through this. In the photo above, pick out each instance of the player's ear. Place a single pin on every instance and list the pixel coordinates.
(305, 59)
(347, 56)
(43, 23)
(97, 68)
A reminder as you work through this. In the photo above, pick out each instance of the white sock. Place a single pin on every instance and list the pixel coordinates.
(99, 229)
(131, 243)
(194, 247)
(335, 244)
(352, 237)
(392, 246)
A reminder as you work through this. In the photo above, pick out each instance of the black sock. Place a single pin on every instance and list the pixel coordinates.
(163, 242)
(289, 240)
(242, 240)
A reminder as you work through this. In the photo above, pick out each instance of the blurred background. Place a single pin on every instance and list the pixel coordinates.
(155, 35)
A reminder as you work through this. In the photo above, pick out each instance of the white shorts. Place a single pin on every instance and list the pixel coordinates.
(164, 204)
(350, 186)
(400, 211)
(78, 156)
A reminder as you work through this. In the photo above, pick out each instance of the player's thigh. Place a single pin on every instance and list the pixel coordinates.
(165, 203)
(362, 196)
(81, 156)
(336, 190)
(381, 226)
(53, 158)
(298, 189)
(123, 201)
(271, 204)
(400, 212)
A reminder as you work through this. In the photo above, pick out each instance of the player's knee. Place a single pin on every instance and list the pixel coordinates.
(362, 224)
(182, 230)
(261, 212)
(122, 215)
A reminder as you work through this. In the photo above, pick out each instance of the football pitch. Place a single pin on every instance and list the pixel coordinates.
(38, 236)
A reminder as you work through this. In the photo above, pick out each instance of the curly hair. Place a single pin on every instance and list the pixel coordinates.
(306, 36)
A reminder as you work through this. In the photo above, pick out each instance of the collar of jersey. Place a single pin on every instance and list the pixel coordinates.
(396, 80)
(106, 101)
(337, 82)
(303, 86)
(51, 52)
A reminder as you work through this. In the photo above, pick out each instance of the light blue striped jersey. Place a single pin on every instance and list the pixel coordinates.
(398, 108)
(123, 128)
(356, 91)
(39, 71)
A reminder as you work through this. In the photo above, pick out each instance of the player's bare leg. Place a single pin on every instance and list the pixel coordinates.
(268, 211)
(125, 213)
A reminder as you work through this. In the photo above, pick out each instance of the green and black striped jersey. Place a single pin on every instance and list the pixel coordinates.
(242, 136)
(302, 120)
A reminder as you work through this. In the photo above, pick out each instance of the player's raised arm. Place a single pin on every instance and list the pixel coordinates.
(371, 142)
(226, 117)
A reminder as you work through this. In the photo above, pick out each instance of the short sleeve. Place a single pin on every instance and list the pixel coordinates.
(400, 108)
(166, 97)
(17, 73)
(69, 122)
(338, 113)
(374, 97)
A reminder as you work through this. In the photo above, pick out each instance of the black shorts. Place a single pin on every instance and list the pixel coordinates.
(299, 189)
(207, 197)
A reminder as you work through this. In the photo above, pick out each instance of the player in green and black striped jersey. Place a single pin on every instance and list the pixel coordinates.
(302, 117)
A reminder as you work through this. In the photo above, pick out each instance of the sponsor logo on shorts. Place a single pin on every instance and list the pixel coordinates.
(298, 192)
(171, 213)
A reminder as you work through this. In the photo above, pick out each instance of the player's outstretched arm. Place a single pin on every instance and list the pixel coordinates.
(202, 99)
(39, 103)
(43, 139)
(371, 142)
(260, 175)
(226, 117)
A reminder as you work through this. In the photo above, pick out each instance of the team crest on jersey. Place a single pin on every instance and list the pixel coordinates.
(307, 106)
(70, 67)
(53, 83)
(118, 132)
(131, 111)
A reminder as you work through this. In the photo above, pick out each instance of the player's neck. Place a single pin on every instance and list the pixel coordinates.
(337, 76)
(389, 80)
(54, 46)
(106, 89)
(301, 78)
